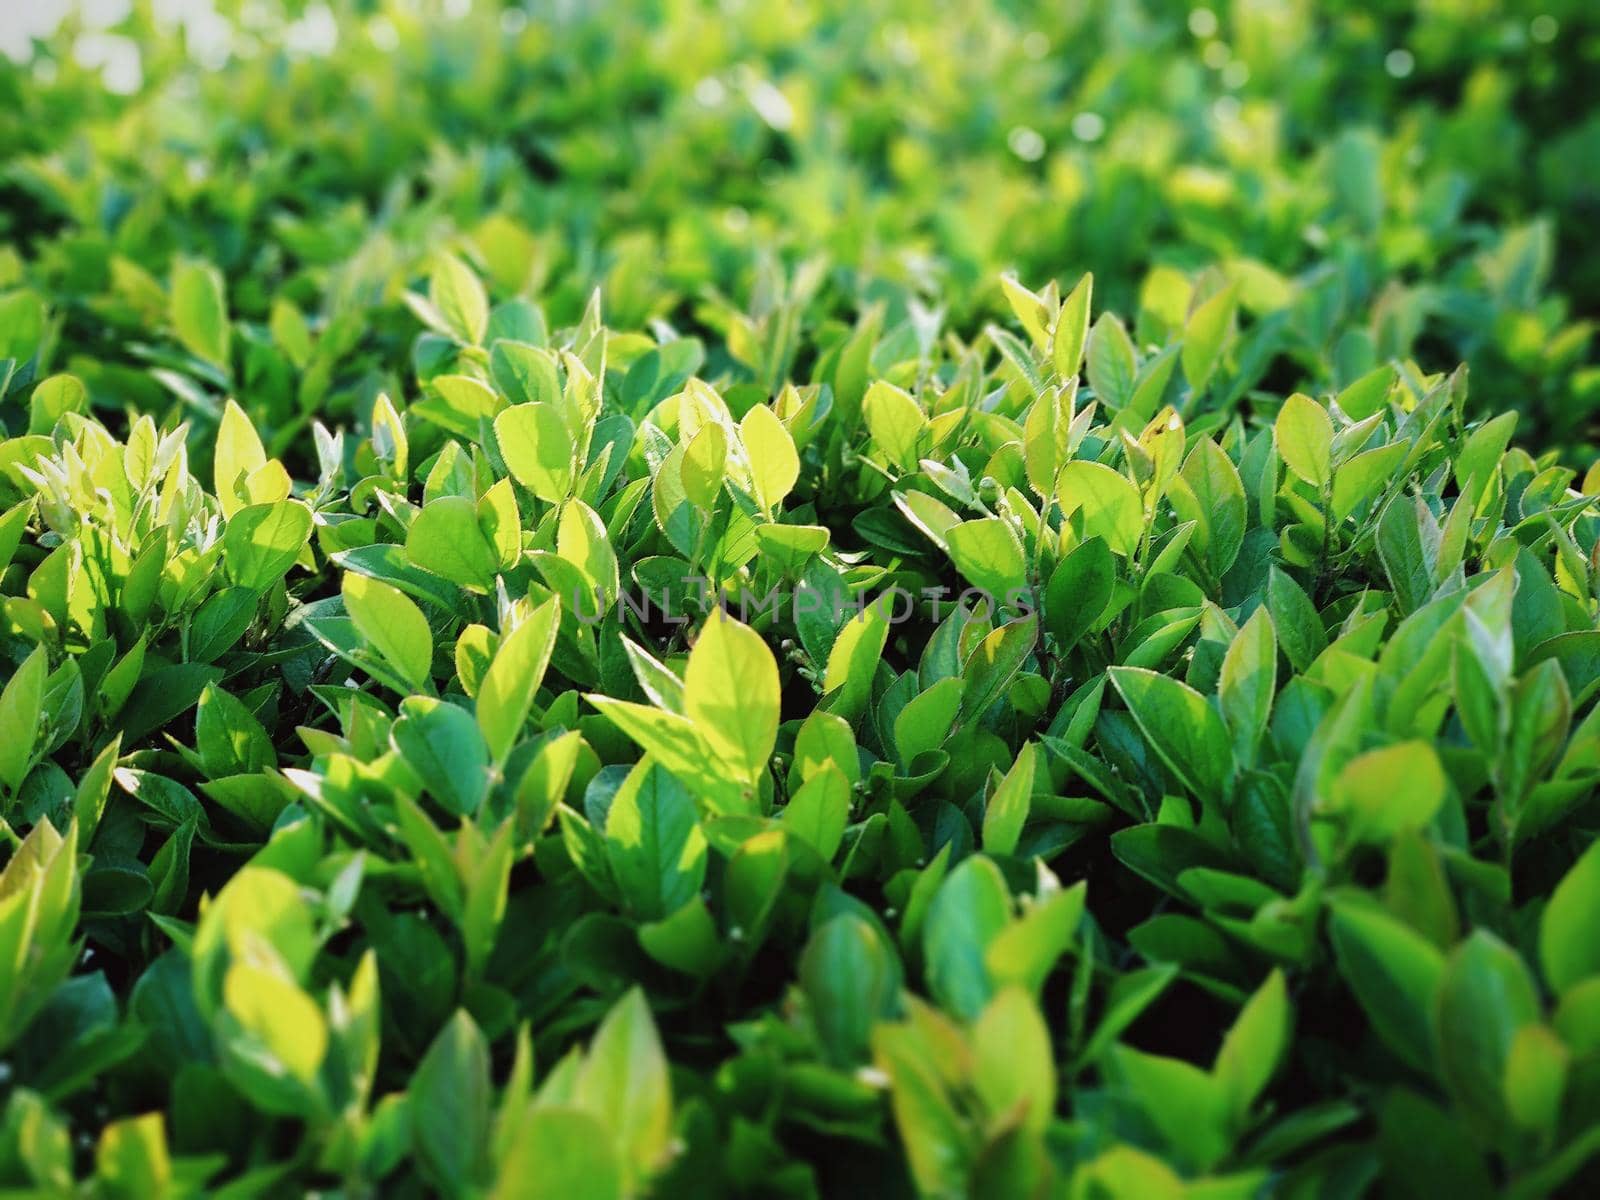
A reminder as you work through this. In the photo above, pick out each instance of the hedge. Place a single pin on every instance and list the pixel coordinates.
(799, 599)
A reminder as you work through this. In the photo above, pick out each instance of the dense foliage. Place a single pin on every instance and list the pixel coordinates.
(570, 629)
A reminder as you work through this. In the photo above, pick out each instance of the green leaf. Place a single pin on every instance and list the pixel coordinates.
(537, 449)
(200, 311)
(1482, 452)
(1112, 364)
(970, 909)
(730, 692)
(289, 1032)
(238, 455)
(1367, 394)
(936, 1139)
(1394, 973)
(52, 399)
(774, 464)
(389, 564)
(256, 903)
(1408, 544)
(1109, 503)
(228, 737)
(1026, 951)
(1007, 808)
(524, 373)
(1424, 1148)
(501, 523)
(1568, 949)
(1365, 476)
(1131, 995)
(1072, 328)
(444, 538)
(677, 742)
(1188, 1107)
(161, 696)
(1303, 434)
(505, 694)
(1015, 1073)
(431, 854)
(1183, 729)
(441, 743)
(1213, 499)
(705, 466)
(1393, 790)
(394, 626)
(13, 523)
(654, 843)
(992, 666)
(1541, 714)
(1254, 1046)
(1032, 311)
(1015, 352)
(263, 541)
(851, 981)
(687, 941)
(1203, 338)
(94, 788)
(20, 705)
(220, 622)
(754, 881)
(544, 784)
(132, 1158)
(484, 907)
(1485, 998)
(853, 661)
(459, 298)
(1294, 617)
(624, 1084)
(896, 423)
(1249, 682)
(819, 810)
(450, 1100)
(1537, 1066)
(1080, 588)
(557, 1154)
(461, 404)
(989, 553)
(581, 539)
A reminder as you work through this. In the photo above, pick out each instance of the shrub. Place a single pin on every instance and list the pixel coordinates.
(792, 718)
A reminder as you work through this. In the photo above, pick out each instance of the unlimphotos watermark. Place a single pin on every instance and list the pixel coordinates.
(695, 597)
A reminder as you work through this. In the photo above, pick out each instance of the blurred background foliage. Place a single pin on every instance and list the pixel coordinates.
(1382, 180)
